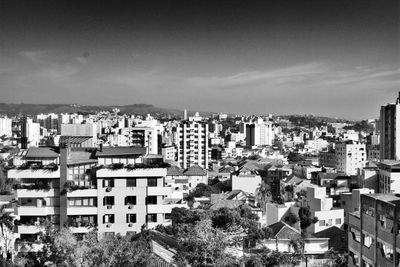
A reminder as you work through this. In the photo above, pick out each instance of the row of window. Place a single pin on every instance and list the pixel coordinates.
(129, 200)
(130, 182)
(329, 222)
(130, 218)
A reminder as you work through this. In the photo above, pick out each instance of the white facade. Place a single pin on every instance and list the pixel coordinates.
(246, 182)
(192, 144)
(321, 207)
(5, 126)
(351, 156)
(80, 130)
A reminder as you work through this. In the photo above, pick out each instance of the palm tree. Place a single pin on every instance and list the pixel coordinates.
(6, 225)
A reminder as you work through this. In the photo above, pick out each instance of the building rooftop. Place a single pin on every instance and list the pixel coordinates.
(42, 152)
(384, 197)
(282, 230)
(174, 171)
(121, 151)
(337, 238)
(391, 163)
(195, 170)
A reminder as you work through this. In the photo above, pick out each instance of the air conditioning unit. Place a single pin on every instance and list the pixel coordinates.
(109, 207)
(108, 189)
(130, 206)
(130, 225)
(108, 225)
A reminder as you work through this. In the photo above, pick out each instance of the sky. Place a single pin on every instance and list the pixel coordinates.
(337, 58)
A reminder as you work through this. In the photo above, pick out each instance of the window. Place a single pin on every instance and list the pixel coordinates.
(85, 202)
(355, 234)
(152, 182)
(108, 183)
(131, 218)
(151, 217)
(368, 240)
(329, 222)
(152, 200)
(321, 222)
(108, 201)
(131, 182)
(130, 200)
(108, 218)
(338, 221)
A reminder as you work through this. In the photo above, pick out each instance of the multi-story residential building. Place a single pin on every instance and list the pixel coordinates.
(192, 143)
(351, 157)
(374, 235)
(5, 126)
(389, 176)
(321, 207)
(89, 129)
(30, 133)
(183, 181)
(117, 190)
(374, 153)
(350, 201)
(145, 137)
(259, 133)
(389, 131)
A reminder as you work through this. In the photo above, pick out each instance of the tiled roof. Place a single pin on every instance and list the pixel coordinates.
(174, 171)
(74, 139)
(195, 170)
(337, 238)
(42, 152)
(282, 230)
(121, 151)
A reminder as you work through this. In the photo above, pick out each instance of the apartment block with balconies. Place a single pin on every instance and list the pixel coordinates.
(131, 196)
(374, 231)
(37, 187)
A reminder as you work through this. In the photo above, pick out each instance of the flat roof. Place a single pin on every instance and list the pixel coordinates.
(121, 151)
(42, 152)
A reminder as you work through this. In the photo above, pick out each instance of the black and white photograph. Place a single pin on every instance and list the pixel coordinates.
(199, 133)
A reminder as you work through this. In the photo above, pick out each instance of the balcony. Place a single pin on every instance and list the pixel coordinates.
(29, 246)
(26, 193)
(82, 211)
(33, 173)
(83, 193)
(124, 172)
(37, 211)
(29, 229)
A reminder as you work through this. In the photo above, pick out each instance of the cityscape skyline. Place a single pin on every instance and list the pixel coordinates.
(330, 58)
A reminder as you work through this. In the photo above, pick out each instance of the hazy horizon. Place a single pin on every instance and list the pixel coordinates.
(328, 58)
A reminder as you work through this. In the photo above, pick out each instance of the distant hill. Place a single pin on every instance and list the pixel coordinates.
(33, 109)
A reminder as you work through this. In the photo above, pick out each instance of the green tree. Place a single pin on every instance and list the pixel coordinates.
(306, 218)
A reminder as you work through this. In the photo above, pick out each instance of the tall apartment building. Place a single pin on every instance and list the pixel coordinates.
(259, 133)
(192, 143)
(89, 130)
(5, 126)
(30, 133)
(147, 137)
(389, 176)
(389, 131)
(115, 190)
(374, 231)
(351, 157)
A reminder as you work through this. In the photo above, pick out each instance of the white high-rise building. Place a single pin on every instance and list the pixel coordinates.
(351, 156)
(5, 126)
(192, 143)
(259, 133)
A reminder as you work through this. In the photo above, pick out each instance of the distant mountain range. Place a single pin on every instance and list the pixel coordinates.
(33, 109)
